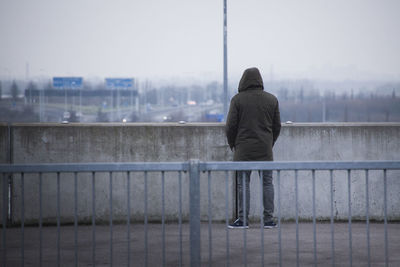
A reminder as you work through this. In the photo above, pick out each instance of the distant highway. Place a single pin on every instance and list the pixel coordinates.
(189, 113)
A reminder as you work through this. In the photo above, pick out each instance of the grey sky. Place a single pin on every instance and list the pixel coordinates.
(337, 39)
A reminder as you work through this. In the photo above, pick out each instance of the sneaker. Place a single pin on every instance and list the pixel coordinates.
(269, 225)
(238, 224)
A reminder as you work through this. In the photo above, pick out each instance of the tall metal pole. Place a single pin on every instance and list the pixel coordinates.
(225, 65)
(80, 104)
(118, 107)
(65, 98)
(112, 104)
(41, 105)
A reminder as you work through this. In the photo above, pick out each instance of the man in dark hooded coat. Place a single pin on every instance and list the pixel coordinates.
(252, 128)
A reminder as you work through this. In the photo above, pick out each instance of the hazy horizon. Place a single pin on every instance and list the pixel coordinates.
(176, 39)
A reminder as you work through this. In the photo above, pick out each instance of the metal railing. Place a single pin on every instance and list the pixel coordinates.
(194, 168)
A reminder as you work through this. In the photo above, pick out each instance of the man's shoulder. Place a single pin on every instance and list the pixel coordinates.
(266, 95)
(236, 97)
(270, 96)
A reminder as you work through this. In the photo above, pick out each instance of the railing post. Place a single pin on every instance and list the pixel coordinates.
(194, 195)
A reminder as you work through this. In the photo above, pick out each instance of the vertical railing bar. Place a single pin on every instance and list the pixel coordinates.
(5, 209)
(237, 193)
(332, 220)
(385, 210)
(58, 221)
(40, 221)
(76, 217)
(367, 216)
(261, 175)
(194, 212)
(163, 216)
(10, 182)
(244, 218)
(128, 217)
(180, 219)
(111, 220)
(22, 219)
(93, 219)
(227, 215)
(209, 221)
(297, 216)
(350, 216)
(145, 221)
(279, 218)
(314, 218)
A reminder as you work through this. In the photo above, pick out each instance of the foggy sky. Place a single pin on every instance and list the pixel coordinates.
(335, 40)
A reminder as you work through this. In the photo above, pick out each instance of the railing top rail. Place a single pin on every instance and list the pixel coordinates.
(203, 166)
(299, 165)
(95, 167)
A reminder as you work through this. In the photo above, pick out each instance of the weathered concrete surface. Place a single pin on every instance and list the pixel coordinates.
(4, 138)
(337, 142)
(42, 143)
(219, 245)
(4, 158)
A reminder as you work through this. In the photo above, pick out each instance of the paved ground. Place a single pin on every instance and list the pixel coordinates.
(237, 253)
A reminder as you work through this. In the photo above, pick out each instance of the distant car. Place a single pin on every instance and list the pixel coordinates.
(66, 117)
(167, 118)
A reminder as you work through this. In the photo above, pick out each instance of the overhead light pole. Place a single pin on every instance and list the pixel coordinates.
(225, 98)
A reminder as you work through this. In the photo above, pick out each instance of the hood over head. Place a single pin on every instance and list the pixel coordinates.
(251, 79)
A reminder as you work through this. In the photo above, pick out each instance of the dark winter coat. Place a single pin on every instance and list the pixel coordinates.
(253, 124)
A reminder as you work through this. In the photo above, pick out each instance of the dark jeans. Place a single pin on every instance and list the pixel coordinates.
(268, 194)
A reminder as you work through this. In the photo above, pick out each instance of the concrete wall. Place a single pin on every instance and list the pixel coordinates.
(338, 142)
(4, 143)
(46, 143)
(4, 158)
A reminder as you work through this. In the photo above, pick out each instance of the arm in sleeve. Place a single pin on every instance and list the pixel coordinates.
(232, 124)
(276, 123)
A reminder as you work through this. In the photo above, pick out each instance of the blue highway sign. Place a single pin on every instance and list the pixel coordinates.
(119, 83)
(67, 82)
